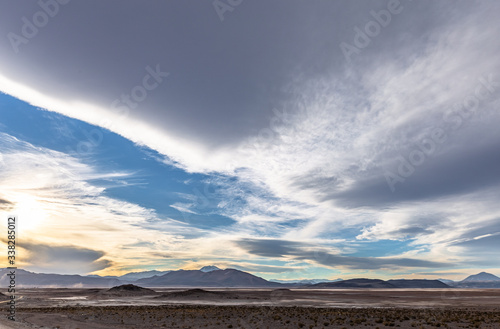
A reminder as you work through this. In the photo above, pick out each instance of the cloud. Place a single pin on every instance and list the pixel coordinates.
(311, 253)
(442, 273)
(63, 259)
(45, 188)
(228, 106)
(5, 204)
(252, 268)
(482, 244)
(481, 239)
(460, 171)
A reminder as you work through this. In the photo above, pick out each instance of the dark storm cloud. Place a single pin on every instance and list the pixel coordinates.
(466, 169)
(302, 251)
(225, 77)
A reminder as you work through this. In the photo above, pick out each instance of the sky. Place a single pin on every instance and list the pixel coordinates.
(289, 139)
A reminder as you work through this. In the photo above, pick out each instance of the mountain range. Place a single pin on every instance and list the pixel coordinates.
(212, 276)
(25, 279)
(377, 283)
(304, 281)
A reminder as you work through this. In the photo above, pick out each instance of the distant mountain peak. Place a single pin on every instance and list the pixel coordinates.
(209, 268)
(483, 273)
(481, 277)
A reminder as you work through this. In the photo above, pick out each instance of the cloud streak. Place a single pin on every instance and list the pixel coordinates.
(307, 252)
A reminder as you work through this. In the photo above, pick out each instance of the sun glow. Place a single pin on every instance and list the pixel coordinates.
(30, 212)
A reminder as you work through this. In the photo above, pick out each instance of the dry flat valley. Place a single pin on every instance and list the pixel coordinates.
(134, 307)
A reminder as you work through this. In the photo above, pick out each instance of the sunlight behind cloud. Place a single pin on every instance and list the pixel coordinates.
(30, 211)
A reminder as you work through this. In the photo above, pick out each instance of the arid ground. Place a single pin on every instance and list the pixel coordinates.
(255, 308)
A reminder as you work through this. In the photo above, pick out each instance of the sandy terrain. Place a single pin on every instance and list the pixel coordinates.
(264, 308)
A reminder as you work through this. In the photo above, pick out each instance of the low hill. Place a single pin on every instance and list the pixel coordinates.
(354, 283)
(26, 279)
(416, 283)
(129, 290)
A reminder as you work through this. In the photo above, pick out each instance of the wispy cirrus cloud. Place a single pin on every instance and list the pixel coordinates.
(52, 192)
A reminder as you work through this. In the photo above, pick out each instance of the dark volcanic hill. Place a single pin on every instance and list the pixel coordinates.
(129, 290)
(355, 283)
(217, 278)
(418, 283)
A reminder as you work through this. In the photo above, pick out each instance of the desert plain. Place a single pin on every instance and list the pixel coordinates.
(133, 307)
